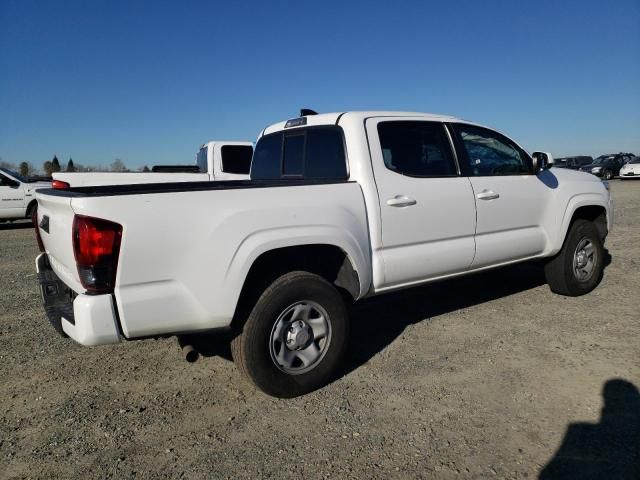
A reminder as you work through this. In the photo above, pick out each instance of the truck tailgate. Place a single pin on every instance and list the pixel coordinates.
(55, 222)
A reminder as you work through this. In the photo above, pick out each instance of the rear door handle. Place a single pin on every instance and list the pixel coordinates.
(487, 195)
(401, 201)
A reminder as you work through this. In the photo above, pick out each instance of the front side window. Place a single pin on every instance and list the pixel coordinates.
(490, 153)
(309, 153)
(416, 148)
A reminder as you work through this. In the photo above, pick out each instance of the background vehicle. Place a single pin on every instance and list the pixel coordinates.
(631, 169)
(339, 207)
(607, 166)
(216, 160)
(573, 163)
(17, 195)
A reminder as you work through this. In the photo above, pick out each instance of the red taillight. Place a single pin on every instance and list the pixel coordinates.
(96, 246)
(60, 185)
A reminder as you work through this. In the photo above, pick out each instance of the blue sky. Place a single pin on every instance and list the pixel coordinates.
(148, 82)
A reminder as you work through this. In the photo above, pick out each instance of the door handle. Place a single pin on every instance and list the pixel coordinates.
(401, 201)
(487, 195)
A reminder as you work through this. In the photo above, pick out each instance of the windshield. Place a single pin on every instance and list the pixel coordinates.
(14, 175)
(561, 161)
(602, 159)
(635, 160)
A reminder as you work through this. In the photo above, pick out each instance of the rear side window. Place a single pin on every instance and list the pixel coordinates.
(236, 159)
(310, 153)
(416, 149)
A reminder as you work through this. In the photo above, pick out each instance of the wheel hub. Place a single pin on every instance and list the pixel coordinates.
(581, 258)
(298, 335)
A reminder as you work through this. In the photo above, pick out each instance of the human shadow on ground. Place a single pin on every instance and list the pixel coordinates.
(609, 449)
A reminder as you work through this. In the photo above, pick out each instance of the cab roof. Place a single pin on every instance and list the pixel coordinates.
(332, 118)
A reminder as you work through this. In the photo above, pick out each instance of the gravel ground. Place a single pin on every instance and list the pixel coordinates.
(487, 376)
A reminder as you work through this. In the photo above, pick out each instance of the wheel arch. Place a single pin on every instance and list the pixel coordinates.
(331, 261)
(588, 207)
(31, 205)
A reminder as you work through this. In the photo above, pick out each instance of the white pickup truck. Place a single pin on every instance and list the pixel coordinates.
(339, 207)
(216, 160)
(17, 195)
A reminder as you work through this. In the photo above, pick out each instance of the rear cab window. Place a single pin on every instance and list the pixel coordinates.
(417, 149)
(236, 159)
(313, 153)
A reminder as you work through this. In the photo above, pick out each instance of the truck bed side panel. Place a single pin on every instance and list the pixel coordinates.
(185, 255)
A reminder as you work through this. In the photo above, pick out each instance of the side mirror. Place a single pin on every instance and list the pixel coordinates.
(541, 161)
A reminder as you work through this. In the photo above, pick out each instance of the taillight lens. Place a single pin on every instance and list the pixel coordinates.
(60, 185)
(96, 246)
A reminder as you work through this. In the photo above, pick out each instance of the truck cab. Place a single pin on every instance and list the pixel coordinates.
(216, 160)
(17, 195)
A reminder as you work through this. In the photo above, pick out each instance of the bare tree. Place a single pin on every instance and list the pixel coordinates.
(24, 169)
(118, 166)
(7, 165)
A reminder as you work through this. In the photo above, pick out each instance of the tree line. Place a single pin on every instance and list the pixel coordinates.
(51, 166)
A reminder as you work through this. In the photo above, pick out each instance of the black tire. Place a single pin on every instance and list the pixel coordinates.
(607, 174)
(560, 272)
(251, 348)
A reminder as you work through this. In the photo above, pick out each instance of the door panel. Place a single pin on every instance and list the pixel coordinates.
(428, 222)
(510, 200)
(509, 226)
(11, 198)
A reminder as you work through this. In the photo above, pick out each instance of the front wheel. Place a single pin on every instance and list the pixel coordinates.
(607, 175)
(294, 338)
(577, 268)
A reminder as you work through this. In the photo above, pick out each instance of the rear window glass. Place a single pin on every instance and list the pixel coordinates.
(266, 158)
(236, 159)
(314, 152)
(325, 156)
(293, 155)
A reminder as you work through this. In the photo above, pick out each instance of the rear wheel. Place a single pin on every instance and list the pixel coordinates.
(295, 336)
(577, 269)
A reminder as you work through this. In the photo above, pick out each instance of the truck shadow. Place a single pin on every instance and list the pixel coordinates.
(15, 225)
(608, 449)
(376, 322)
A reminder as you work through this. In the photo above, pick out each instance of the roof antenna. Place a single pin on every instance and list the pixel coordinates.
(307, 111)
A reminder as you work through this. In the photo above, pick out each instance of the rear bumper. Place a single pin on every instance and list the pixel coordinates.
(87, 319)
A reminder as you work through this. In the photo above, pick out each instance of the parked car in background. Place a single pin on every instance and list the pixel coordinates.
(607, 166)
(17, 195)
(339, 207)
(216, 160)
(574, 163)
(631, 169)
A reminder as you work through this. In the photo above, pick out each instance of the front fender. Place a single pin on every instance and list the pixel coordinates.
(575, 202)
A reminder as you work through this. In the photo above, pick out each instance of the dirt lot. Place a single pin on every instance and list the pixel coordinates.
(487, 376)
